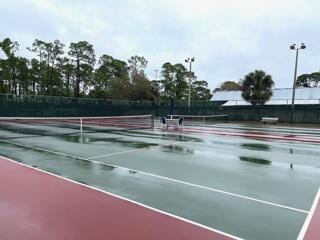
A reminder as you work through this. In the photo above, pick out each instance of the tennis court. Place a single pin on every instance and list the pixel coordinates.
(205, 181)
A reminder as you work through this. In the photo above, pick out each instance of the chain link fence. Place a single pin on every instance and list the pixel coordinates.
(51, 106)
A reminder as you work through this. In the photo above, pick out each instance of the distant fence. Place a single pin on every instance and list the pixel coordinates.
(11, 105)
(302, 113)
(22, 105)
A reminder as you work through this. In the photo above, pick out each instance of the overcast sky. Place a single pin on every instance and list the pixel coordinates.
(228, 38)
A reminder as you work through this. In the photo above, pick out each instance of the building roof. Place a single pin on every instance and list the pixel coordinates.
(281, 96)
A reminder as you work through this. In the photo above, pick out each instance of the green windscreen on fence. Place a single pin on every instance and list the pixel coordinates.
(52, 106)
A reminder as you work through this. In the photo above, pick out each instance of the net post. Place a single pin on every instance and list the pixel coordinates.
(203, 123)
(81, 125)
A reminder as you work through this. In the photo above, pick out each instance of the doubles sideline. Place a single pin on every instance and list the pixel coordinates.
(309, 217)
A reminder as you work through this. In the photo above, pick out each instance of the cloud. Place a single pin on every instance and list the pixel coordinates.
(228, 38)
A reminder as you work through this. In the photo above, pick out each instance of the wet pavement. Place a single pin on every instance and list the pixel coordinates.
(253, 189)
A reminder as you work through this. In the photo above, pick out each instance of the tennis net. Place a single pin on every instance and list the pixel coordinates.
(201, 120)
(14, 127)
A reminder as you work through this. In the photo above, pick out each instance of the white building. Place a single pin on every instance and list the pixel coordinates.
(281, 96)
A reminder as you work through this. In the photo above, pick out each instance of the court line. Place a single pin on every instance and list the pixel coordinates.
(168, 179)
(118, 153)
(132, 150)
(127, 200)
(309, 217)
(40, 149)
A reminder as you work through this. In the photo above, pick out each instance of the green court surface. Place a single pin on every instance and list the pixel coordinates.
(241, 186)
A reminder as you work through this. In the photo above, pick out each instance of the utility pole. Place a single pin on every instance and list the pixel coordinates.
(190, 61)
(295, 48)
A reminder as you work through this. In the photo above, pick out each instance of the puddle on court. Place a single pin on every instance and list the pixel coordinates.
(89, 139)
(292, 148)
(49, 170)
(39, 167)
(255, 160)
(52, 164)
(256, 146)
(83, 164)
(159, 135)
(34, 132)
(107, 167)
(175, 148)
(180, 138)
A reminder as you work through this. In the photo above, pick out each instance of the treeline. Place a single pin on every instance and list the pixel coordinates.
(75, 71)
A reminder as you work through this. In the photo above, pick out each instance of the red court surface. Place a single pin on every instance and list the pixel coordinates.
(311, 228)
(36, 205)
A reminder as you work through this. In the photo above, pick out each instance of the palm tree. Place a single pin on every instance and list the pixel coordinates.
(256, 87)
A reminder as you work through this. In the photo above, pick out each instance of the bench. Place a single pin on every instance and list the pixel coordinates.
(269, 120)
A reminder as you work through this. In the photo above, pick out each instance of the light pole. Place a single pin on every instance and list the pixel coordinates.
(190, 61)
(156, 71)
(295, 48)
